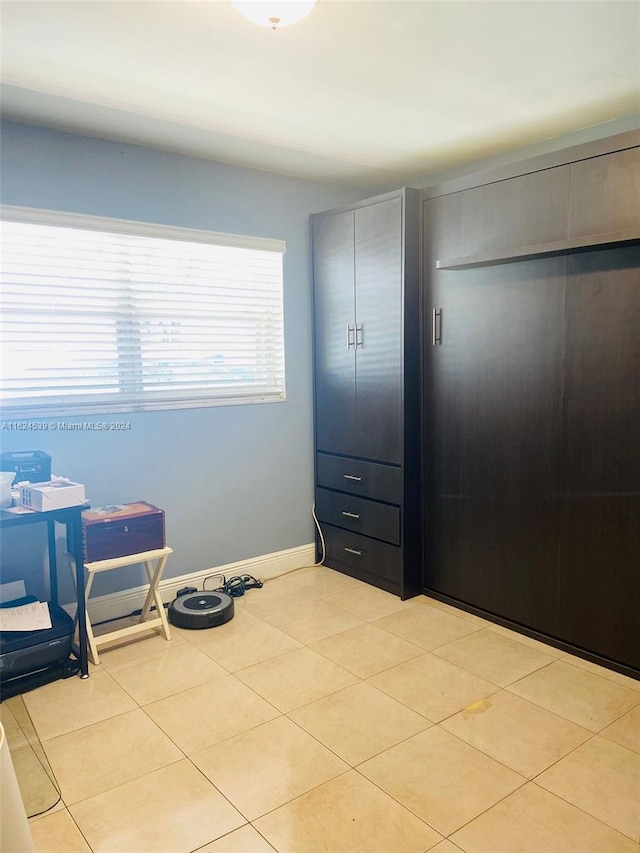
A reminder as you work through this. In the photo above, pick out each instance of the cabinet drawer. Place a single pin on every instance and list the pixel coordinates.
(366, 557)
(368, 479)
(362, 516)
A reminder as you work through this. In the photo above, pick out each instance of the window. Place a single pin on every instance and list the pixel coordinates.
(104, 315)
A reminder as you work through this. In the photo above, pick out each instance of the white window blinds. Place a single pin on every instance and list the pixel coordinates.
(112, 316)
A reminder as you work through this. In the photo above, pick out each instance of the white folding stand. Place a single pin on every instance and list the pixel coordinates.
(154, 563)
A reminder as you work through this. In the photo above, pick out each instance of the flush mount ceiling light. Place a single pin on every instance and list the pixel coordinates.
(274, 13)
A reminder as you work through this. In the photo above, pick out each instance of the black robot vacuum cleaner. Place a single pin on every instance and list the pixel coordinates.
(201, 610)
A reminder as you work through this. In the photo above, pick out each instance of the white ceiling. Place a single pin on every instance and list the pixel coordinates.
(362, 92)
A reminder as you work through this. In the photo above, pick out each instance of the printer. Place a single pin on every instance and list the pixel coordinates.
(33, 466)
(25, 653)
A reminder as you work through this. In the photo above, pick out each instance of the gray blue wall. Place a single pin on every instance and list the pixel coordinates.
(236, 481)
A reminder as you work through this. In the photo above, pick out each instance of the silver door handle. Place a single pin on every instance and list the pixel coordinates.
(352, 477)
(353, 551)
(351, 341)
(360, 333)
(436, 327)
(350, 515)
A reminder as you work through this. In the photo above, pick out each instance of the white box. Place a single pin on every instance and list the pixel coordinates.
(44, 497)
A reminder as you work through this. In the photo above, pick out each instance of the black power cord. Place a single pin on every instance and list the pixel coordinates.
(235, 587)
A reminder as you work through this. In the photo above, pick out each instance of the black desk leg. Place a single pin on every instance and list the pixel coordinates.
(78, 557)
(53, 561)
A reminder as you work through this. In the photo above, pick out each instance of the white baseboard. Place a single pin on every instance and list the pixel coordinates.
(118, 604)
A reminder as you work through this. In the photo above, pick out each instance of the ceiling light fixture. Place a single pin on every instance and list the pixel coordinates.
(274, 13)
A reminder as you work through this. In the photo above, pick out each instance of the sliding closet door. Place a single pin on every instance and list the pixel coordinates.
(600, 534)
(493, 415)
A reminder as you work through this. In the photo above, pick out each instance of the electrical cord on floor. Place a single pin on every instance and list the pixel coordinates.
(320, 534)
(119, 618)
(322, 543)
(236, 586)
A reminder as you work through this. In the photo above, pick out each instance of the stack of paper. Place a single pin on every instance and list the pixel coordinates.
(25, 617)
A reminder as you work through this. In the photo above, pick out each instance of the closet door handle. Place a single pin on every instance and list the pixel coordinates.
(436, 327)
(359, 340)
(353, 551)
(352, 477)
(351, 339)
(350, 514)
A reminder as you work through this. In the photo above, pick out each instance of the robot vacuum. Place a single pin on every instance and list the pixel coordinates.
(201, 610)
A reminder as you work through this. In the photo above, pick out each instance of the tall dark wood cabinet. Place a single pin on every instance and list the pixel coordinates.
(367, 389)
(531, 427)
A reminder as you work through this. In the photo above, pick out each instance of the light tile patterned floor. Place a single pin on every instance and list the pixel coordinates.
(330, 716)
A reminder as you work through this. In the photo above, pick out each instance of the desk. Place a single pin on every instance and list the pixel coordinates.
(71, 517)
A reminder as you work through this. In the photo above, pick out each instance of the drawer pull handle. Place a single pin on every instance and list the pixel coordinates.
(352, 477)
(353, 551)
(351, 515)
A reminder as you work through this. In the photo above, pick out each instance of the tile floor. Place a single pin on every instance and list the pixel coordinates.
(330, 716)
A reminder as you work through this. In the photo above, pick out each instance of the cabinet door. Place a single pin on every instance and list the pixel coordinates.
(493, 419)
(600, 539)
(605, 195)
(443, 222)
(334, 312)
(521, 211)
(378, 256)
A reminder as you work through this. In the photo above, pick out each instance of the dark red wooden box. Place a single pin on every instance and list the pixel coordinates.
(117, 531)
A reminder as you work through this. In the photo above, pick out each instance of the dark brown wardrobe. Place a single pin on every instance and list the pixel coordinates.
(531, 397)
(367, 389)
(478, 438)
